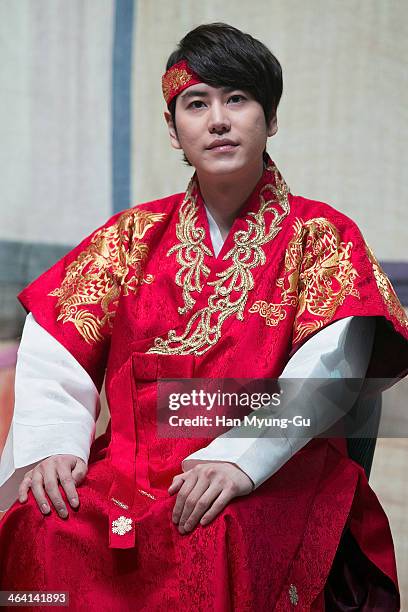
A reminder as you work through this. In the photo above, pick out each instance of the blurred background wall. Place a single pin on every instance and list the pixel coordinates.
(83, 136)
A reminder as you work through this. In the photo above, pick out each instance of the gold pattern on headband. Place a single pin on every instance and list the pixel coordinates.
(318, 276)
(173, 80)
(104, 269)
(386, 290)
(231, 289)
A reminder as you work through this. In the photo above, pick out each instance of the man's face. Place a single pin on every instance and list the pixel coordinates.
(221, 131)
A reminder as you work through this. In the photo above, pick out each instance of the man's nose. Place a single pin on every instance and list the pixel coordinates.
(219, 121)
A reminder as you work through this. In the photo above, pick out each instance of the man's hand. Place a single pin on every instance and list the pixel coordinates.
(205, 490)
(67, 469)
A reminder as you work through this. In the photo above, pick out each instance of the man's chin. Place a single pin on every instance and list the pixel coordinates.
(221, 167)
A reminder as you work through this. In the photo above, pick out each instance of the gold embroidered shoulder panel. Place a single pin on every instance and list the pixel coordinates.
(318, 276)
(111, 263)
(386, 290)
(203, 328)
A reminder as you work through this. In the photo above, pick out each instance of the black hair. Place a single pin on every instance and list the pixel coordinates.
(223, 56)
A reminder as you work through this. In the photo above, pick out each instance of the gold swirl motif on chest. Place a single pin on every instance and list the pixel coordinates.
(318, 276)
(386, 290)
(111, 264)
(231, 289)
(190, 250)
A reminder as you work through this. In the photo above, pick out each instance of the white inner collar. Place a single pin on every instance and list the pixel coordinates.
(215, 234)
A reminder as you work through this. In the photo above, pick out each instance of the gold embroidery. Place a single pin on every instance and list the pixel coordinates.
(293, 595)
(146, 493)
(119, 503)
(386, 290)
(190, 250)
(102, 270)
(203, 329)
(318, 276)
(178, 77)
(272, 313)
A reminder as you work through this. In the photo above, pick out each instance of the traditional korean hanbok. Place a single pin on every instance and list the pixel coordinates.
(145, 298)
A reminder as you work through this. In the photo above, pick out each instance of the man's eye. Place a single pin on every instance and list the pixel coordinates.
(196, 104)
(236, 98)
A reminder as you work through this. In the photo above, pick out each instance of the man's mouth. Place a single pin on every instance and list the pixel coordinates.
(222, 144)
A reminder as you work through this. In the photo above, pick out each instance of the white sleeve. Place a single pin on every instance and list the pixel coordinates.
(340, 350)
(55, 410)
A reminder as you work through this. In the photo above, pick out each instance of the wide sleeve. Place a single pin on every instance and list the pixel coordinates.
(331, 273)
(77, 298)
(325, 355)
(55, 409)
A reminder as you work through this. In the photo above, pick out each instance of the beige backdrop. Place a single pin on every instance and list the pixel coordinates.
(343, 116)
(55, 105)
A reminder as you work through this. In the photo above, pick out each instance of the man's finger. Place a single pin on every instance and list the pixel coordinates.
(23, 488)
(198, 501)
(176, 484)
(53, 492)
(67, 481)
(188, 484)
(218, 506)
(80, 471)
(37, 487)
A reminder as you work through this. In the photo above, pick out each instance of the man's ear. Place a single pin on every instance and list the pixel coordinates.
(174, 141)
(273, 126)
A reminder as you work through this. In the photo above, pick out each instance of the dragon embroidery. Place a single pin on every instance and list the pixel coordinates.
(386, 290)
(318, 276)
(111, 263)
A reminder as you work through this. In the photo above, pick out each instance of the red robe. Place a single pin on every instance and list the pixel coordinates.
(145, 297)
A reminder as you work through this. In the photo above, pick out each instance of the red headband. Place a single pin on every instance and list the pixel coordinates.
(176, 79)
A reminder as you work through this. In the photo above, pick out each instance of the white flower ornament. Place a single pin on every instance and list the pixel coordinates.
(122, 525)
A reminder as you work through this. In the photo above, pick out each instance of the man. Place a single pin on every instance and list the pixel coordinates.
(188, 287)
